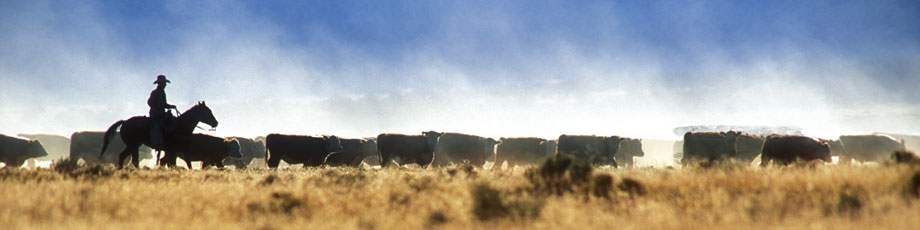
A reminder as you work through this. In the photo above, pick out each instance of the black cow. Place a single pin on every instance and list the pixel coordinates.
(626, 149)
(407, 149)
(353, 152)
(297, 149)
(86, 145)
(785, 149)
(250, 149)
(709, 146)
(15, 151)
(523, 150)
(57, 146)
(210, 150)
(866, 148)
(595, 149)
(456, 148)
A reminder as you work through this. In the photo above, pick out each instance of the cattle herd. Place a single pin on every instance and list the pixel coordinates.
(441, 149)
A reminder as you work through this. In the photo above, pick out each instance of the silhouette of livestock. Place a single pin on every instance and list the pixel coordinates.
(597, 150)
(86, 145)
(250, 149)
(209, 150)
(456, 148)
(866, 148)
(523, 150)
(709, 146)
(625, 150)
(296, 149)
(407, 149)
(353, 152)
(57, 146)
(911, 142)
(747, 147)
(785, 149)
(15, 151)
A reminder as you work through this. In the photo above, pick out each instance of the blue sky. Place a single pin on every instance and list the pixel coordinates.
(507, 68)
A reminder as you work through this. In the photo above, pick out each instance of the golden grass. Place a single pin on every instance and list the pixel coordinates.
(823, 197)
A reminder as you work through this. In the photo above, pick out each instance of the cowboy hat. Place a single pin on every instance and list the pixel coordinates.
(161, 78)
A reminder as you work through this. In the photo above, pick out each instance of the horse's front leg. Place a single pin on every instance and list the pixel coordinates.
(123, 155)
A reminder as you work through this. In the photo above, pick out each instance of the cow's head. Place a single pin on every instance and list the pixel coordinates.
(432, 138)
(489, 147)
(233, 148)
(731, 137)
(36, 149)
(333, 144)
(824, 152)
(635, 146)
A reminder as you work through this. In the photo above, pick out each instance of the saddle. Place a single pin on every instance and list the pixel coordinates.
(160, 129)
(169, 122)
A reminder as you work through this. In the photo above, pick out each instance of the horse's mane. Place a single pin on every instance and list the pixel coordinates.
(196, 107)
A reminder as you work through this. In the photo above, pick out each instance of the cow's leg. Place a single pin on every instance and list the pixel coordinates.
(356, 162)
(163, 161)
(384, 158)
(236, 162)
(244, 162)
(844, 160)
(172, 159)
(157, 157)
(169, 159)
(273, 161)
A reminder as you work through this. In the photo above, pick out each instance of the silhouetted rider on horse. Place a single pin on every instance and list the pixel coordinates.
(159, 114)
(158, 130)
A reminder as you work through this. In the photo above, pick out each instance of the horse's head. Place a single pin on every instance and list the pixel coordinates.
(201, 113)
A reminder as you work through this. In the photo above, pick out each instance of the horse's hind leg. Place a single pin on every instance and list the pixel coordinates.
(123, 155)
(135, 158)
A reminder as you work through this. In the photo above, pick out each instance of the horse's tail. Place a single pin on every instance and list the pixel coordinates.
(108, 136)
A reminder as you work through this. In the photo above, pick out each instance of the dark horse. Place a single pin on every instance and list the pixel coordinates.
(136, 131)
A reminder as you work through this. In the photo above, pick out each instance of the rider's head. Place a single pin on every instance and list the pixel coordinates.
(161, 81)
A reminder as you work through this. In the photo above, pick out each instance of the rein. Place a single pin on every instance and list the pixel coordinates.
(205, 129)
(197, 126)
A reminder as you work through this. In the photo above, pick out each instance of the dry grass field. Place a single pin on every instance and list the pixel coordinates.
(554, 196)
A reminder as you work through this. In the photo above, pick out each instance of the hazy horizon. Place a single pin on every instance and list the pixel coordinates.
(356, 69)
